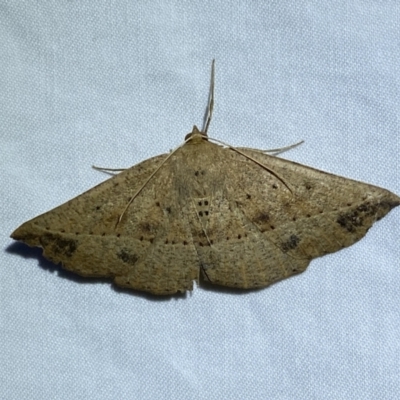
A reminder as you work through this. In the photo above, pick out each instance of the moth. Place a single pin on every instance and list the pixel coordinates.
(235, 217)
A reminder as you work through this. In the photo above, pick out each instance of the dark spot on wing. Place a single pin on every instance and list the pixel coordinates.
(145, 227)
(349, 221)
(59, 245)
(290, 244)
(261, 217)
(127, 257)
(354, 218)
(199, 172)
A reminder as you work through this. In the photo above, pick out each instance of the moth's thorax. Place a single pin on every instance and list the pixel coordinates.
(195, 136)
(197, 169)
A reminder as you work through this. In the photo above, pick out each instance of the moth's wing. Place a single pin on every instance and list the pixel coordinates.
(281, 215)
(143, 251)
(169, 262)
(239, 255)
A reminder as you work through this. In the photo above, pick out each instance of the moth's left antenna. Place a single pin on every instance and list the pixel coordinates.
(210, 106)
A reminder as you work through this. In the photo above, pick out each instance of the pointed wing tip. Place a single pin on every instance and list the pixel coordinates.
(16, 235)
(394, 201)
(387, 199)
(25, 234)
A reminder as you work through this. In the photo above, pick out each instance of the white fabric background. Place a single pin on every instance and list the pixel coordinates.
(112, 83)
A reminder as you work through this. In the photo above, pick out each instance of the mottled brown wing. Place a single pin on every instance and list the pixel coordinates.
(148, 250)
(244, 223)
(273, 220)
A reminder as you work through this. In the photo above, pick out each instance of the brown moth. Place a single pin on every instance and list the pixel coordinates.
(235, 217)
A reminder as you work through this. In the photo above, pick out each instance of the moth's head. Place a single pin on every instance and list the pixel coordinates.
(196, 135)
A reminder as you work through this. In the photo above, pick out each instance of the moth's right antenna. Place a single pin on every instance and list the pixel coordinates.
(210, 106)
